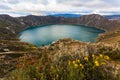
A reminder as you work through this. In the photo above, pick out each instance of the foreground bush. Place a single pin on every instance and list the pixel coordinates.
(93, 67)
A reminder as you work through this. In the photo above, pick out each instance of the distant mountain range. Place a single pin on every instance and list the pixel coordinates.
(115, 17)
(67, 15)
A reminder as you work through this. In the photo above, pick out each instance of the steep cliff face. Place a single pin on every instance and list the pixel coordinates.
(9, 27)
(32, 20)
(10, 23)
(99, 21)
(93, 20)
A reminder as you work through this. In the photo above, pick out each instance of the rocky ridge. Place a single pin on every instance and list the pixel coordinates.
(13, 25)
(68, 48)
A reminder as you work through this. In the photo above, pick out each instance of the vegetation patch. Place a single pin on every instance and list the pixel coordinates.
(94, 67)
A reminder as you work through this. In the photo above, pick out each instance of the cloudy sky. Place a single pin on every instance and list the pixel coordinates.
(45, 7)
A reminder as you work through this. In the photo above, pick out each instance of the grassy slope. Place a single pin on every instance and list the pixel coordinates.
(65, 49)
(109, 37)
(57, 50)
(10, 51)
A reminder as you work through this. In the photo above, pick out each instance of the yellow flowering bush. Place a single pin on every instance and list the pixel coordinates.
(101, 56)
(83, 68)
(97, 63)
(86, 58)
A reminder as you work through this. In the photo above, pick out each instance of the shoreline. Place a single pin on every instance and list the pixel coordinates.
(68, 25)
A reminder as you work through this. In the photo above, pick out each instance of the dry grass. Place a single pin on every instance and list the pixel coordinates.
(53, 63)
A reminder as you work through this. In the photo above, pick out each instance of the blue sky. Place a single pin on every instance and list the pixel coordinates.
(45, 7)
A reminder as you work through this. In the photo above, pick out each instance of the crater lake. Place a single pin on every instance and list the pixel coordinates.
(46, 34)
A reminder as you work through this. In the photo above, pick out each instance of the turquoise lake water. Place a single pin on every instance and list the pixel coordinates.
(44, 35)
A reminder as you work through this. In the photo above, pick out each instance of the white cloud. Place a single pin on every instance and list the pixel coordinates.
(42, 7)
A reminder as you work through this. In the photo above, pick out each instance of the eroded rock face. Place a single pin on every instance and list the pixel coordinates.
(99, 22)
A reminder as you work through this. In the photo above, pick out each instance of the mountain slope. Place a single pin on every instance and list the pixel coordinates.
(99, 21)
(13, 25)
(113, 17)
(9, 27)
(94, 20)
